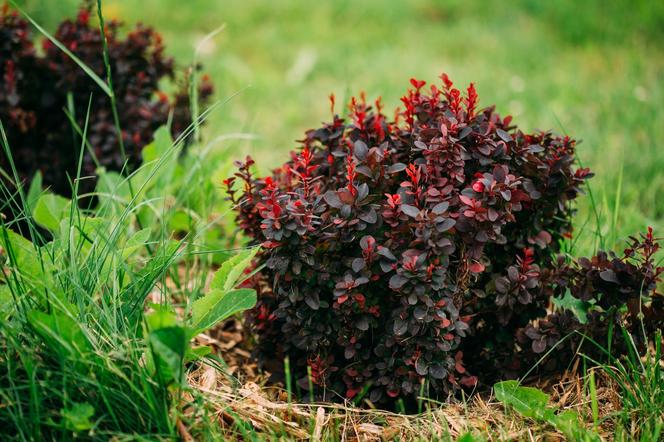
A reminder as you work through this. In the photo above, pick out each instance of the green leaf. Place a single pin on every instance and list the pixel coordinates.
(81, 232)
(470, 437)
(135, 293)
(160, 145)
(163, 316)
(180, 222)
(194, 354)
(531, 402)
(169, 346)
(24, 257)
(135, 242)
(7, 304)
(77, 416)
(527, 401)
(60, 332)
(230, 272)
(35, 190)
(29, 267)
(218, 305)
(112, 189)
(578, 307)
(159, 164)
(49, 211)
(569, 424)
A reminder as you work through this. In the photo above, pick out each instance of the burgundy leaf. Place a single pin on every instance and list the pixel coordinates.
(409, 210)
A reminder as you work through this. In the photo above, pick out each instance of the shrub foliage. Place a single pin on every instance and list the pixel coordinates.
(416, 255)
(609, 299)
(38, 86)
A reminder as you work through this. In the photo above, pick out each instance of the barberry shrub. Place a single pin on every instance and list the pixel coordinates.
(609, 305)
(414, 255)
(38, 86)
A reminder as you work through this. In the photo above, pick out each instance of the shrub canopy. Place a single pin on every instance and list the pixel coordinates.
(411, 255)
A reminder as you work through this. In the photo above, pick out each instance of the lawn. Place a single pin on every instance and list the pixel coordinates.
(122, 320)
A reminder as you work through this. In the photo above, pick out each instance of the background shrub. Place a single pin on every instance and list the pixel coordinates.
(38, 86)
(399, 253)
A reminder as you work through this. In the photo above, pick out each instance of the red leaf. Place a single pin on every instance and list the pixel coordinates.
(393, 393)
(476, 267)
(469, 381)
(417, 84)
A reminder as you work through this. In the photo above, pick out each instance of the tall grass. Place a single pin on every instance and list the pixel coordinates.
(72, 337)
(79, 354)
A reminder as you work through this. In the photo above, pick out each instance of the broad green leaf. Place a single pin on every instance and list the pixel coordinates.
(60, 332)
(160, 145)
(194, 354)
(218, 305)
(7, 304)
(159, 163)
(578, 307)
(112, 190)
(527, 401)
(35, 190)
(33, 267)
(531, 402)
(569, 423)
(169, 346)
(49, 211)
(77, 416)
(80, 233)
(85, 238)
(180, 222)
(230, 272)
(24, 256)
(135, 242)
(163, 316)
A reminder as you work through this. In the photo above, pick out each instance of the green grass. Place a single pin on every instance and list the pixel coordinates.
(590, 69)
(97, 317)
(76, 352)
(640, 379)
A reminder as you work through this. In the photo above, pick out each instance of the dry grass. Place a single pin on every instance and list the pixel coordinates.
(247, 406)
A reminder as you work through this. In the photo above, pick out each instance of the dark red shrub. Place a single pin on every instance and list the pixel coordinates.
(34, 94)
(614, 295)
(401, 253)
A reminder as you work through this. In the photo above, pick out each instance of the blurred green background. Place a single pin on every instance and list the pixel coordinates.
(590, 69)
